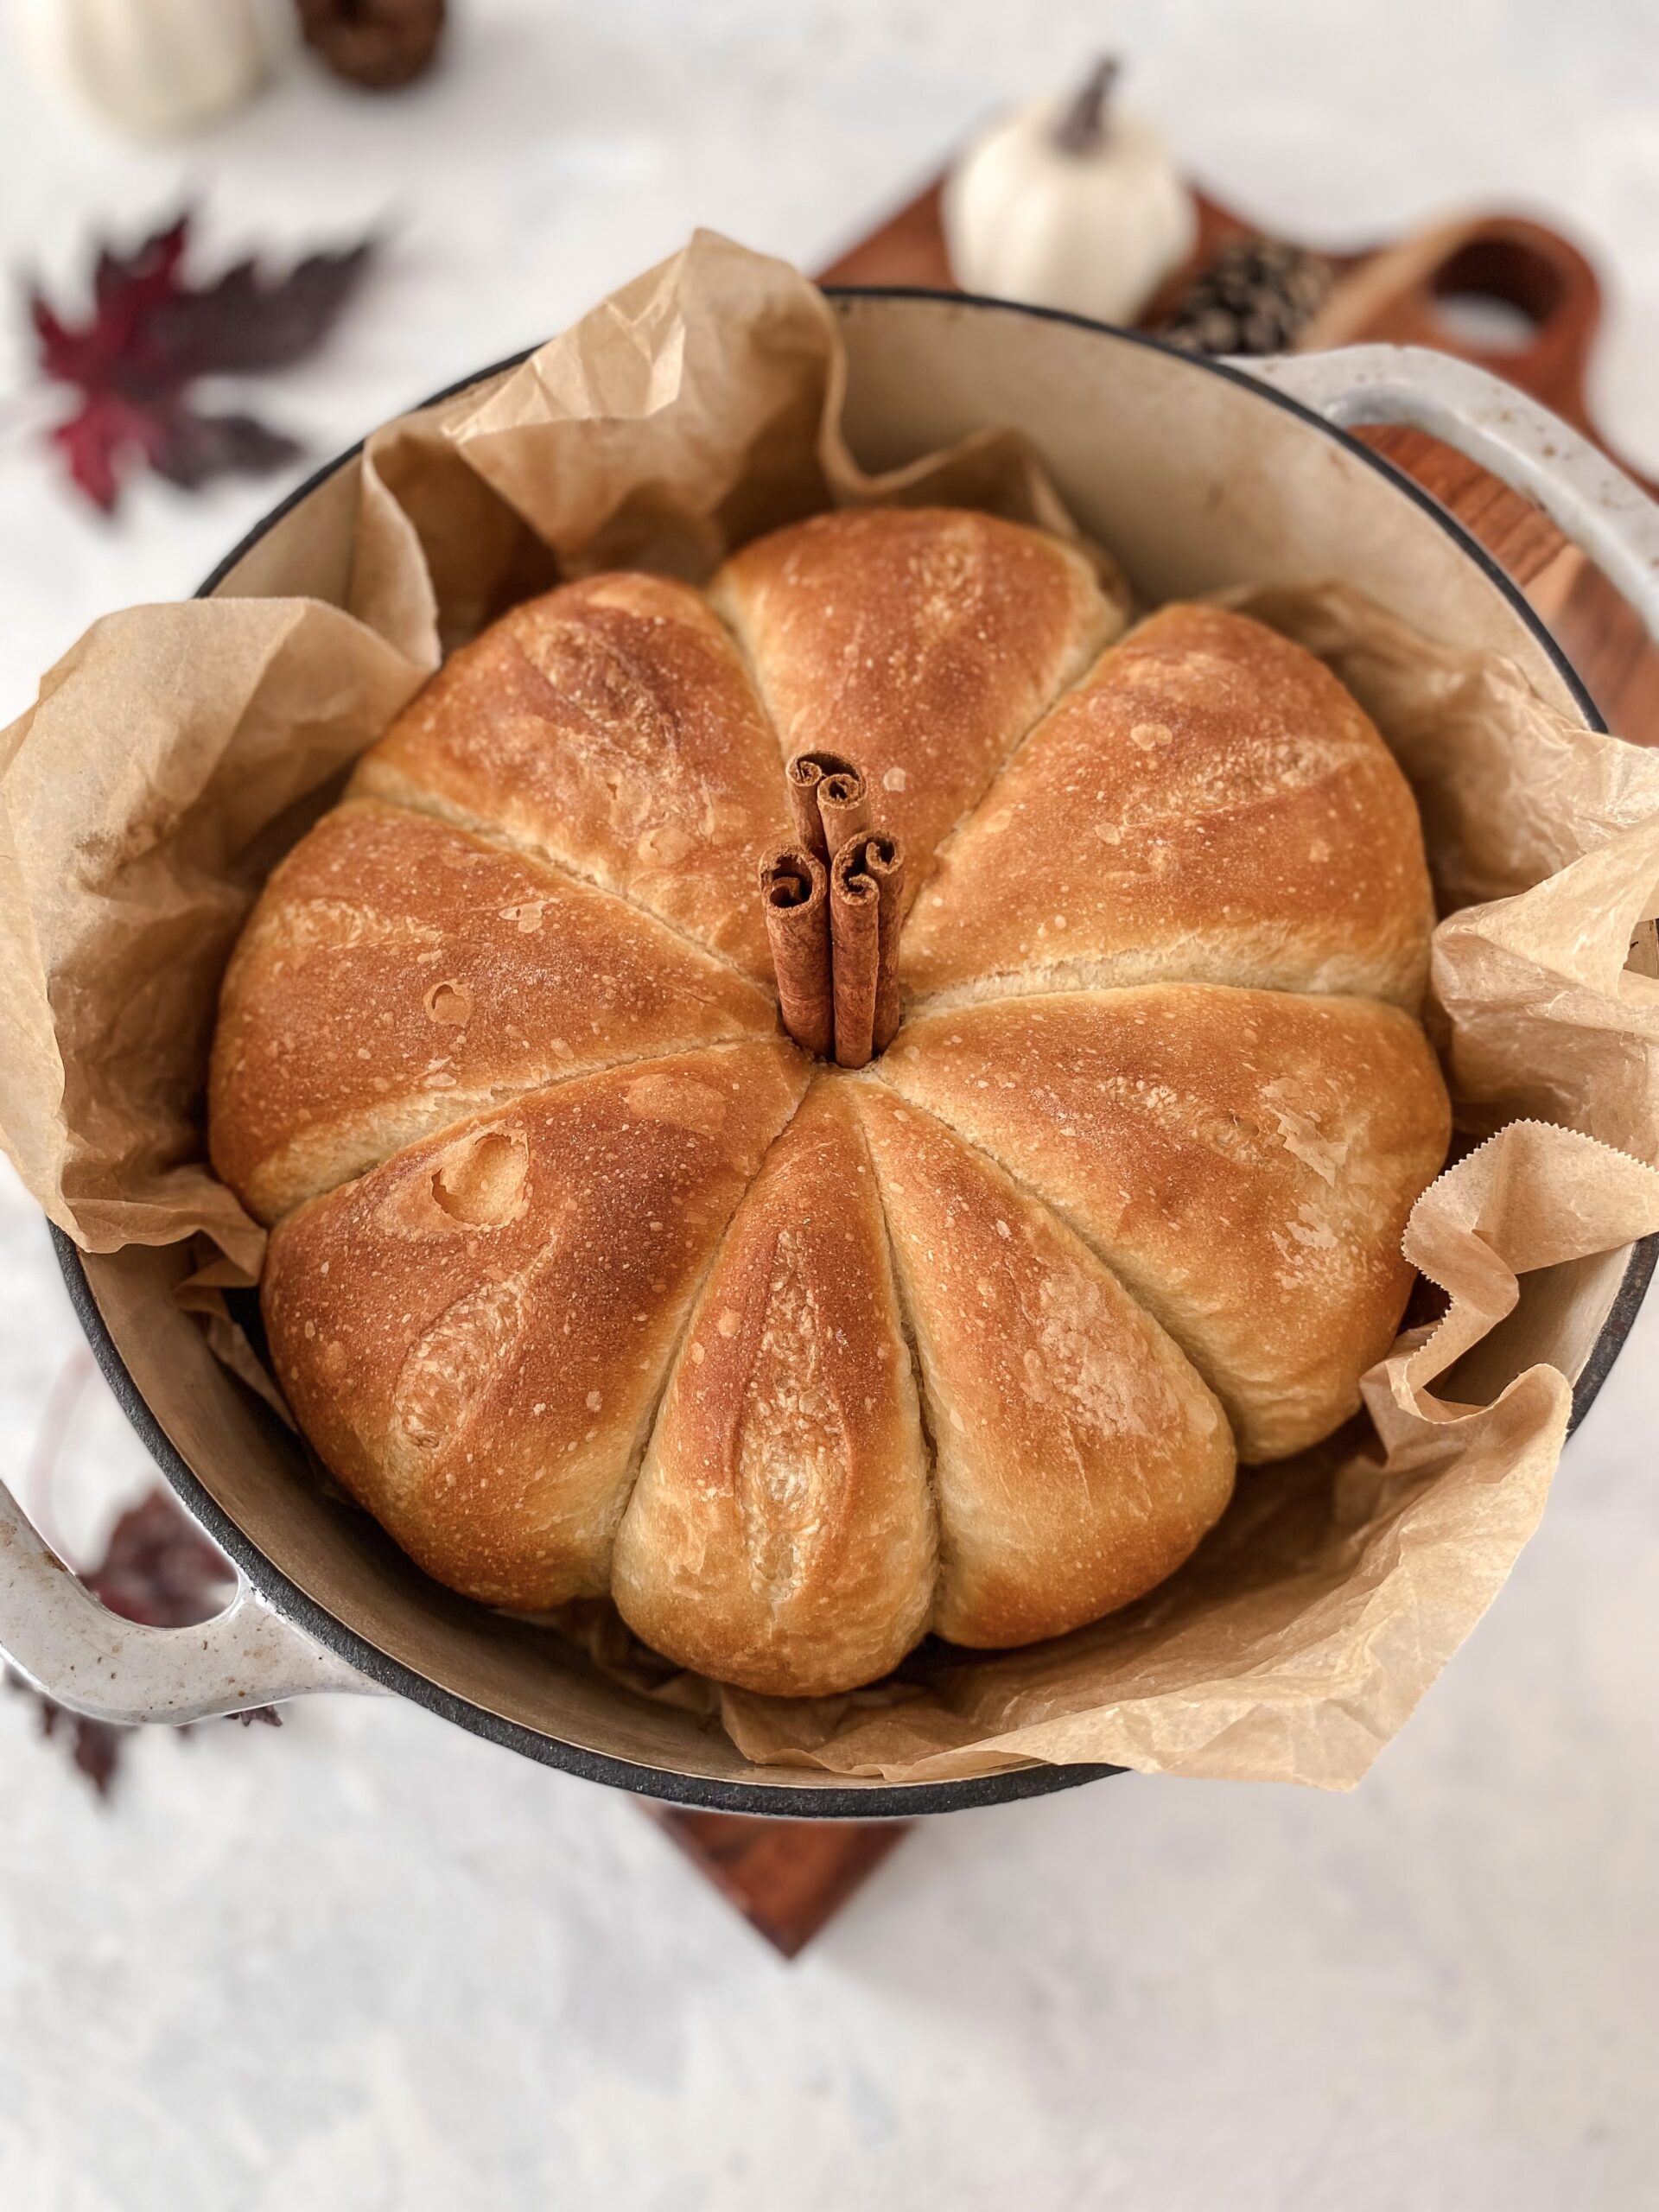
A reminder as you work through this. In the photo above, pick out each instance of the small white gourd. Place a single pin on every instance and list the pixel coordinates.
(152, 69)
(1069, 204)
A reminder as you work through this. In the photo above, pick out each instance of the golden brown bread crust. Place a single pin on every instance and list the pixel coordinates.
(1244, 1161)
(781, 1533)
(1076, 1455)
(610, 726)
(511, 979)
(1209, 804)
(399, 974)
(921, 642)
(473, 1335)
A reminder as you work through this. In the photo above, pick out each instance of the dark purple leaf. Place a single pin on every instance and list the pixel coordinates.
(152, 336)
(245, 322)
(192, 448)
(160, 1569)
(147, 274)
(108, 435)
(94, 1746)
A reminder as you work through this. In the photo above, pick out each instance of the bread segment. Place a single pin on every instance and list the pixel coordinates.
(1077, 1456)
(1244, 1160)
(609, 725)
(474, 1336)
(399, 974)
(781, 1535)
(921, 642)
(1209, 805)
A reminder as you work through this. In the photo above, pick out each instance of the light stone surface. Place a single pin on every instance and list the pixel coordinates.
(371, 1964)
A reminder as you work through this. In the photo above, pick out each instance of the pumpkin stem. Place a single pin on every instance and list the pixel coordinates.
(1082, 129)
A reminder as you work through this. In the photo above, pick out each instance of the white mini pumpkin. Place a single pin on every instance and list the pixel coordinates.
(1068, 203)
(152, 69)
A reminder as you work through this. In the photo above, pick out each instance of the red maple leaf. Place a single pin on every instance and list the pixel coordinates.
(152, 335)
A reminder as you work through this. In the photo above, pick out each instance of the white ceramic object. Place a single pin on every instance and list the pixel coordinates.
(151, 68)
(95, 1663)
(1069, 203)
(1586, 496)
(1213, 484)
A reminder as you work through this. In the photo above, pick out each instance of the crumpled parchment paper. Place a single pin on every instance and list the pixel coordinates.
(177, 750)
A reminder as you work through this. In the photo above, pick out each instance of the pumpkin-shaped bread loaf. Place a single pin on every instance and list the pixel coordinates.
(584, 1278)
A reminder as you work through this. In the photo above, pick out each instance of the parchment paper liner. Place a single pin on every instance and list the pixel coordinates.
(177, 750)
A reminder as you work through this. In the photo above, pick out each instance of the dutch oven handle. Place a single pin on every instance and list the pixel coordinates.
(83, 1656)
(1535, 453)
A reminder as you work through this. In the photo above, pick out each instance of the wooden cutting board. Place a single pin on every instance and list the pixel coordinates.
(1425, 289)
(788, 1877)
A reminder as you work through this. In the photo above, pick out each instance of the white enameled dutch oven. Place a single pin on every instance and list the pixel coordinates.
(1207, 474)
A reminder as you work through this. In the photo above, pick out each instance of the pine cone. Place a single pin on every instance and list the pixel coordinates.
(1252, 298)
(379, 44)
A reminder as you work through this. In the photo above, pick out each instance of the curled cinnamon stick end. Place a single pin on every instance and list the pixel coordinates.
(828, 799)
(844, 804)
(795, 891)
(866, 891)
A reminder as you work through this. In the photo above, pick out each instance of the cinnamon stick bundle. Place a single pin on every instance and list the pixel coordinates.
(828, 798)
(866, 885)
(795, 890)
(836, 949)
